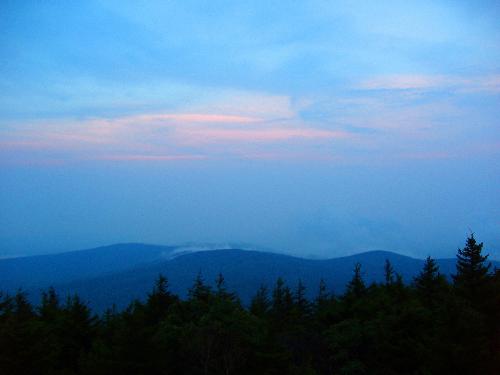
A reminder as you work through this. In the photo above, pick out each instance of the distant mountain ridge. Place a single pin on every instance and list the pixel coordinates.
(117, 274)
(50, 269)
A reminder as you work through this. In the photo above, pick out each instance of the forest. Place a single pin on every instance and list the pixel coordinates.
(428, 325)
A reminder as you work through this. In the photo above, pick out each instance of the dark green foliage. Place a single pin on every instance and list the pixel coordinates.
(430, 284)
(388, 273)
(260, 304)
(472, 271)
(356, 287)
(429, 327)
(159, 301)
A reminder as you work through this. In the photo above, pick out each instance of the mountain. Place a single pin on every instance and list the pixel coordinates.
(44, 270)
(117, 274)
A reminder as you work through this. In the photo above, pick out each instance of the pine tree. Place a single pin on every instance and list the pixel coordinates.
(260, 304)
(356, 287)
(78, 330)
(6, 305)
(388, 273)
(429, 283)
(323, 297)
(159, 301)
(221, 289)
(302, 305)
(322, 292)
(49, 308)
(199, 291)
(22, 307)
(282, 299)
(472, 271)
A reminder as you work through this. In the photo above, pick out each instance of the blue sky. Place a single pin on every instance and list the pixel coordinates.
(320, 127)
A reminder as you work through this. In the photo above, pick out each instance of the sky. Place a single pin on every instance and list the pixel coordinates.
(313, 128)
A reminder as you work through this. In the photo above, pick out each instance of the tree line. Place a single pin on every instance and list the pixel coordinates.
(427, 326)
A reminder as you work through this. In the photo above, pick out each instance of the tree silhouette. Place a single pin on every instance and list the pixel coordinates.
(260, 303)
(472, 271)
(388, 273)
(356, 287)
(430, 283)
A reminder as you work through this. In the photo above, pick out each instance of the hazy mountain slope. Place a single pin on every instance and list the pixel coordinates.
(244, 272)
(44, 270)
(119, 273)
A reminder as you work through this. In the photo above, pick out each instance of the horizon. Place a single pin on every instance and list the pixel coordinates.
(318, 129)
(191, 248)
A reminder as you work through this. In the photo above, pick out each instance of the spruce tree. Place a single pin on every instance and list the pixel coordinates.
(388, 272)
(323, 298)
(472, 271)
(322, 292)
(200, 291)
(159, 301)
(429, 282)
(260, 304)
(302, 305)
(282, 299)
(356, 287)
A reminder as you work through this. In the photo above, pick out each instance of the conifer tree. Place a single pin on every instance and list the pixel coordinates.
(260, 304)
(22, 307)
(388, 273)
(301, 303)
(472, 271)
(221, 289)
(282, 299)
(429, 282)
(50, 305)
(6, 305)
(356, 287)
(323, 298)
(322, 292)
(159, 300)
(199, 291)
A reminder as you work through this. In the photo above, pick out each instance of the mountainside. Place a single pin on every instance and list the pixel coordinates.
(44, 270)
(116, 274)
(244, 271)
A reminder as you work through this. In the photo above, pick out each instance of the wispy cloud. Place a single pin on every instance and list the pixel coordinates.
(191, 118)
(395, 116)
(135, 157)
(489, 83)
(243, 120)
(208, 135)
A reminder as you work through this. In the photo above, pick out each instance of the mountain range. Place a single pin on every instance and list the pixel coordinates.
(117, 274)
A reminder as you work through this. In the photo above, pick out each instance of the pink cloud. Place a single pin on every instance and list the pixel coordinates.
(195, 118)
(8, 145)
(292, 156)
(429, 155)
(402, 82)
(490, 84)
(208, 135)
(132, 157)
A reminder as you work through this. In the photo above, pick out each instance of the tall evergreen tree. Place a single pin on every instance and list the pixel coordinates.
(199, 291)
(472, 271)
(49, 308)
(429, 282)
(221, 289)
(302, 305)
(22, 307)
(323, 294)
(282, 301)
(159, 300)
(356, 287)
(388, 273)
(260, 304)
